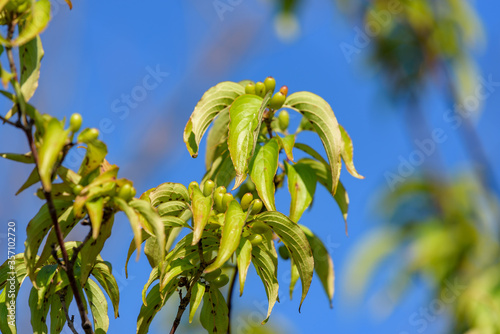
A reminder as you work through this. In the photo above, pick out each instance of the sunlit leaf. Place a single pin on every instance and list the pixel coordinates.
(102, 272)
(95, 212)
(31, 55)
(35, 23)
(263, 168)
(201, 207)
(214, 312)
(197, 294)
(217, 137)
(26, 158)
(243, 260)
(287, 143)
(265, 265)
(302, 186)
(98, 306)
(347, 153)
(53, 141)
(167, 192)
(153, 219)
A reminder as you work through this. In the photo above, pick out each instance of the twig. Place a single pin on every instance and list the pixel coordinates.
(230, 298)
(69, 320)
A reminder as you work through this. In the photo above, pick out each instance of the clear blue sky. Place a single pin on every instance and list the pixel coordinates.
(101, 50)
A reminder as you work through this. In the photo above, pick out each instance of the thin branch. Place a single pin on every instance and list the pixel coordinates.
(69, 320)
(5, 120)
(230, 298)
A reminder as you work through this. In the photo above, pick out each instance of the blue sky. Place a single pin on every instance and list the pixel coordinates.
(102, 51)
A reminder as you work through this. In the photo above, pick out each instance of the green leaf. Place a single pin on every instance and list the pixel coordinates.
(26, 158)
(153, 276)
(302, 186)
(174, 269)
(263, 168)
(53, 142)
(243, 260)
(294, 277)
(173, 208)
(44, 280)
(35, 23)
(38, 314)
(231, 234)
(155, 301)
(322, 172)
(347, 153)
(167, 192)
(96, 152)
(201, 207)
(321, 115)
(95, 211)
(214, 313)
(265, 263)
(31, 55)
(244, 121)
(197, 294)
(32, 179)
(103, 274)
(287, 143)
(151, 217)
(57, 313)
(323, 263)
(37, 229)
(217, 137)
(210, 105)
(17, 265)
(93, 248)
(68, 176)
(222, 170)
(294, 239)
(134, 223)
(98, 306)
(8, 325)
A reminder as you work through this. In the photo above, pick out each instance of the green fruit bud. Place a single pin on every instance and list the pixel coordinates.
(270, 84)
(220, 281)
(213, 275)
(228, 197)
(133, 192)
(88, 135)
(125, 192)
(218, 195)
(284, 90)
(246, 200)
(277, 101)
(208, 186)
(260, 89)
(259, 227)
(77, 189)
(75, 122)
(284, 253)
(257, 206)
(283, 120)
(255, 239)
(250, 88)
(193, 185)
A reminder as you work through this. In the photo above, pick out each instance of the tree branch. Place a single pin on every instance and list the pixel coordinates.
(69, 320)
(230, 298)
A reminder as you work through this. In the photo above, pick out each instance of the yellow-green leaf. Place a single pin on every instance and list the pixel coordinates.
(263, 168)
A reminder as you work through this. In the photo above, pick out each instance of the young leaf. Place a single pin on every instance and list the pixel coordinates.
(36, 22)
(217, 137)
(30, 55)
(134, 223)
(323, 263)
(321, 115)
(347, 153)
(32, 179)
(302, 185)
(167, 192)
(153, 219)
(214, 313)
(96, 152)
(196, 298)
(243, 259)
(102, 272)
(174, 269)
(244, 120)
(153, 276)
(265, 264)
(201, 207)
(95, 211)
(231, 234)
(26, 158)
(222, 170)
(294, 239)
(53, 141)
(37, 229)
(211, 103)
(287, 142)
(263, 168)
(98, 306)
(43, 282)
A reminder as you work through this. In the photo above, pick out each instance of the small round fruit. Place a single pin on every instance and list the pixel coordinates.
(75, 122)
(246, 200)
(284, 90)
(283, 120)
(208, 186)
(270, 84)
(277, 101)
(213, 275)
(88, 135)
(260, 89)
(77, 189)
(133, 192)
(255, 239)
(250, 88)
(228, 197)
(218, 196)
(125, 192)
(257, 206)
(259, 227)
(284, 253)
(220, 281)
